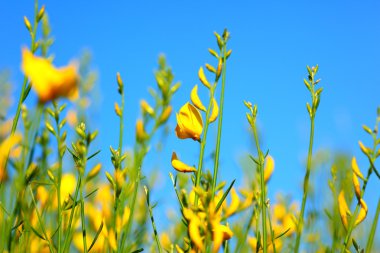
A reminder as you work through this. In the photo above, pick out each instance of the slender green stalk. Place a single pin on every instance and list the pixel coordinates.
(305, 186)
(40, 221)
(272, 232)
(23, 89)
(220, 121)
(262, 188)
(371, 159)
(240, 243)
(203, 142)
(68, 233)
(373, 229)
(152, 220)
(315, 96)
(83, 218)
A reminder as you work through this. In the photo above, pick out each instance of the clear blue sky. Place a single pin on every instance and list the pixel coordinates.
(271, 42)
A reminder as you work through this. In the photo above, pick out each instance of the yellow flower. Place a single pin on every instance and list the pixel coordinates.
(269, 168)
(5, 148)
(195, 233)
(141, 134)
(68, 184)
(215, 110)
(356, 183)
(49, 82)
(235, 201)
(189, 123)
(196, 100)
(355, 168)
(146, 108)
(220, 233)
(180, 166)
(165, 115)
(343, 209)
(362, 213)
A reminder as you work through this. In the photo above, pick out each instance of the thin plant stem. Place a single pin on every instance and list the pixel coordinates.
(68, 233)
(305, 186)
(203, 142)
(373, 229)
(152, 220)
(23, 89)
(271, 232)
(40, 221)
(262, 186)
(83, 219)
(220, 121)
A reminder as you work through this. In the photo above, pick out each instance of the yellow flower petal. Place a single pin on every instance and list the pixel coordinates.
(356, 184)
(141, 134)
(215, 110)
(194, 232)
(269, 168)
(202, 78)
(362, 213)
(220, 233)
(146, 108)
(189, 123)
(355, 168)
(235, 201)
(50, 82)
(343, 209)
(196, 100)
(180, 166)
(5, 148)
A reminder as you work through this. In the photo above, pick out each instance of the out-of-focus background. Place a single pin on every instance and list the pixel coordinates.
(271, 42)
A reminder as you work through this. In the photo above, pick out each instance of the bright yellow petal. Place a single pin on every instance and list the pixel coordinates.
(189, 123)
(355, 168)
(48, 81)
(362, 213)
(215, 110)
(269, 168)
(235, 201)
(202, 78)
(141, 134)
(343, 209)
(220, 233)
(180, 166)
(5, 148)
(356, 184)
(196, 100)
(194, 232)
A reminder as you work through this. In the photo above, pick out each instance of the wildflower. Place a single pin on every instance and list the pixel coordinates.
(189, 123)
(5, 148)
(49, 82)
(165, 115)
(235, 201)
(202, 78)
(362, 213)
(141, 134)
(356, 184)
(68, 185)
(146, 108)
(220, 233)
(343, 209)
(196, 100)
(215, 111)
(180, 166)
(268, 169)
(356, 169)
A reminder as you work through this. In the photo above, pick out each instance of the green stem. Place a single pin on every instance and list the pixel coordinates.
(373, 229)
(23, 89)
(305, 186)
(68, 233)
(272, 233)
(220, 120)
(203, 142)
(40, 221)
(262, 186)
(153, 223)
(83, 219)
(59, 179)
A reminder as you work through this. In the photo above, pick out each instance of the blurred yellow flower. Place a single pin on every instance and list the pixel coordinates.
(343, 209)
(181, 166)
(220, 233)
(141, 134)
(48, 81)
(189, 123)
(269, 168)
(146, 108)
(5, 148)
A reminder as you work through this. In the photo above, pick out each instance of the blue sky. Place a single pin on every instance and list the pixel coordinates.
(272, 43)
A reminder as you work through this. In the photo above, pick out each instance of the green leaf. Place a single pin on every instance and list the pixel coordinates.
(93, 155)
(224, 196)
(96, 236)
